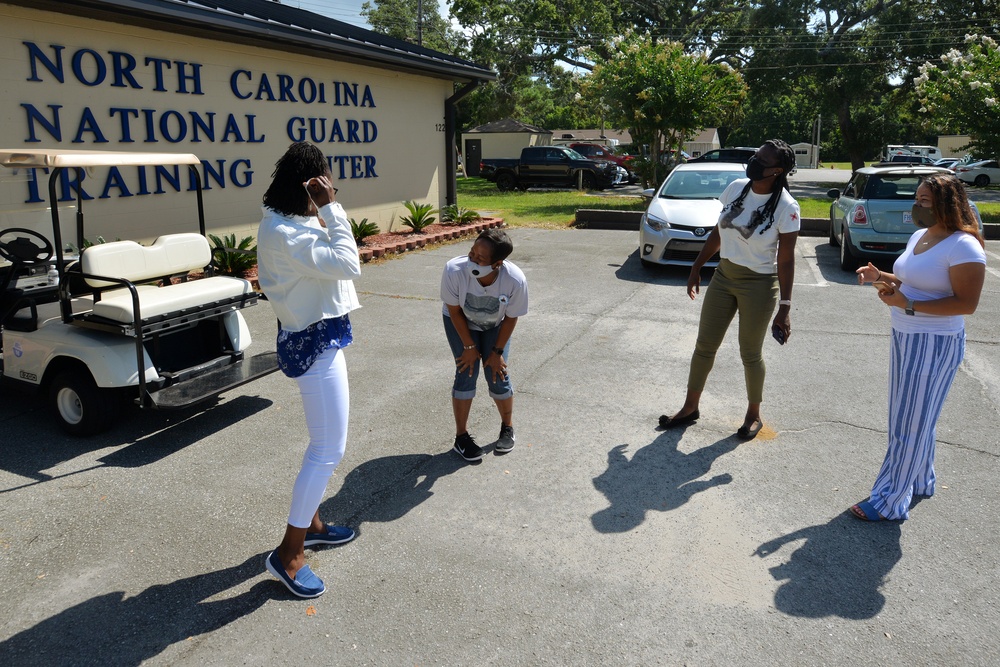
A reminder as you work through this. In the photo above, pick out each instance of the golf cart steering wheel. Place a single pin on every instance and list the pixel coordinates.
(22, 250)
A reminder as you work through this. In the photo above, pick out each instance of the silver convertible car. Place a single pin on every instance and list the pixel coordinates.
(872, 219)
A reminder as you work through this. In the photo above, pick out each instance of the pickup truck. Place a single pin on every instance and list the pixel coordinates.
(599, 152)
(550, 166)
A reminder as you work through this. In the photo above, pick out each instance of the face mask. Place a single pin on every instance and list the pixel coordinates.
(479, 270)
(923, 216)
(755, 170)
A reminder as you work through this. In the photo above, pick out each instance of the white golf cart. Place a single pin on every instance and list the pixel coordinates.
(118, 320)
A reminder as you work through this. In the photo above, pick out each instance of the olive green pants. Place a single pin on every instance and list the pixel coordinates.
(735, 289)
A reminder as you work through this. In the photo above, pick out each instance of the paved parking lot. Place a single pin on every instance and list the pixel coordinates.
(599, 540)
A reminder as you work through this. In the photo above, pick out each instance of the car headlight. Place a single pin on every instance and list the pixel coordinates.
(655, 223)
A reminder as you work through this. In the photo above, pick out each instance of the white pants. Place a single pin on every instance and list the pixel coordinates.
(326, 399)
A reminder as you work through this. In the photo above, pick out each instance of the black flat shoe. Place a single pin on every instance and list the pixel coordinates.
(673, 422)
(745, 433)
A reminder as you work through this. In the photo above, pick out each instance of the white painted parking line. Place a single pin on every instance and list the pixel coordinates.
(813, 263)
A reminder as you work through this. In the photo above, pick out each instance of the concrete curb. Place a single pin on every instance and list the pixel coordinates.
(592, 218)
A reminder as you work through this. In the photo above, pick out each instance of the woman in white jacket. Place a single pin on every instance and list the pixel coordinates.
(307, 261)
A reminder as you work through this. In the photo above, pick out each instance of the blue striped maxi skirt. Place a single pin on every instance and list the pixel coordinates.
(922, 367)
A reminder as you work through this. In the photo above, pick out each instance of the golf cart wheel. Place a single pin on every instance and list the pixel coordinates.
(982, 180)
(79, 405)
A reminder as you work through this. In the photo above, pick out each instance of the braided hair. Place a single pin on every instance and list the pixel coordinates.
(300, 162)
(786, 160)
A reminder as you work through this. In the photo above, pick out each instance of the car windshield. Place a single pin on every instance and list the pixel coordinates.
(698, 184)
(890, 186)
(575, 155)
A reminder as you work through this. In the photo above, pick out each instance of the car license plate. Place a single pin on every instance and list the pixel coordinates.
(694, 246)
(907, 217)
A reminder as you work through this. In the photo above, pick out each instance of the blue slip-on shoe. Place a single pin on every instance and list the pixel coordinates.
(866, 512)
(333, 535)
(305, 584)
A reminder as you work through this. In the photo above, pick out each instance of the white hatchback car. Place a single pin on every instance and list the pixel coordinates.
(683, 211)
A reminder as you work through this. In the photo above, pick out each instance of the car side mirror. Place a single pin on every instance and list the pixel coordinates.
(648, 193)
(833, 194)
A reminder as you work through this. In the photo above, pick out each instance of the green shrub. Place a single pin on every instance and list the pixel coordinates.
(419, 217)
(232, 259)
(454, 214)
(363, 229)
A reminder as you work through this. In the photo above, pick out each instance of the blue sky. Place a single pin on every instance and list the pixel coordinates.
(348, 11)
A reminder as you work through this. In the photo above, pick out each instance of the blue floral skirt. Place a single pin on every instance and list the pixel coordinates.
(297, 350)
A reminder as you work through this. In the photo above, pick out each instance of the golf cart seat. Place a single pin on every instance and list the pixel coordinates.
(111, 269)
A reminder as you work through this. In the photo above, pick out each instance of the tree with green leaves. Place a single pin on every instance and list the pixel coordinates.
(662, 94)
(962, 93)
(399, 19)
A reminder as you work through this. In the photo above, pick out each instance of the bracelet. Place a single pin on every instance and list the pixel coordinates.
(879, 273)
(785, 302)
(470, 347)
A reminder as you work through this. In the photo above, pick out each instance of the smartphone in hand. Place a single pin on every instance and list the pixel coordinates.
(779, 334)
(883, 287)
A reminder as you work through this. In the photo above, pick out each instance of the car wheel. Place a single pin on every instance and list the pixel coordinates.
(80, 406)
(506, 182)
(848, 260)
(982, 180)
(589, 182)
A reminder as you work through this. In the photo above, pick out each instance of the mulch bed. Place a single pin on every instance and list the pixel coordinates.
(389, 243)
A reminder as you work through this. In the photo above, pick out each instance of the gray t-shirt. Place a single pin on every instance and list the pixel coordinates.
(484, 307)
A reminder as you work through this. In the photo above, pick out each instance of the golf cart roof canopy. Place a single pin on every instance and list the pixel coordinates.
(44, 158)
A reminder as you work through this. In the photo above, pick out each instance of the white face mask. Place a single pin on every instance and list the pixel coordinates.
(479, 270)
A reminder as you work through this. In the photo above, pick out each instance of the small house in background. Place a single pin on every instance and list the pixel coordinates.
(500, 139)
(592, 136)
(806, 154)
(953, 145)
(706, 140)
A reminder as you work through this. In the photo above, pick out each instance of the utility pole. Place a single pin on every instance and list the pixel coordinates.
(420, 22)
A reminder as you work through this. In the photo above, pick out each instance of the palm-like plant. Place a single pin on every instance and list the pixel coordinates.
(232, 258)
(419, 216)
(363, 229)
(459, 216)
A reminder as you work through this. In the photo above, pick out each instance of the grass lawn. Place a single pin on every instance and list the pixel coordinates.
(548, 209)
(557, 209)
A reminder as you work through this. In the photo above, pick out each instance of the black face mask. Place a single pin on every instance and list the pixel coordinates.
(755, 170)
(923, 216)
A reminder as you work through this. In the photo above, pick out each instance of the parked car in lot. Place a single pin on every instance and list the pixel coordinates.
(872, 219)
(740, 155)
(683, 211)
(947, 162)
(908, 159)
(980, 173)
(550, 166)
(599, 152)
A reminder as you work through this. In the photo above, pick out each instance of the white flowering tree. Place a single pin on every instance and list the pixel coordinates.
(961, 93)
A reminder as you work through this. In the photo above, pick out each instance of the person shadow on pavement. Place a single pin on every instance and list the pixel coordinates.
(118, 629)
(658, 477)
(839, 569)
(387, 488)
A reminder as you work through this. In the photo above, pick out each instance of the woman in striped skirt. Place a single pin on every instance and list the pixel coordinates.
(935, 282)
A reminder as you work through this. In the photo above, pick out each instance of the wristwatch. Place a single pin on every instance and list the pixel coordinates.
(498, 350)
(909, 307)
